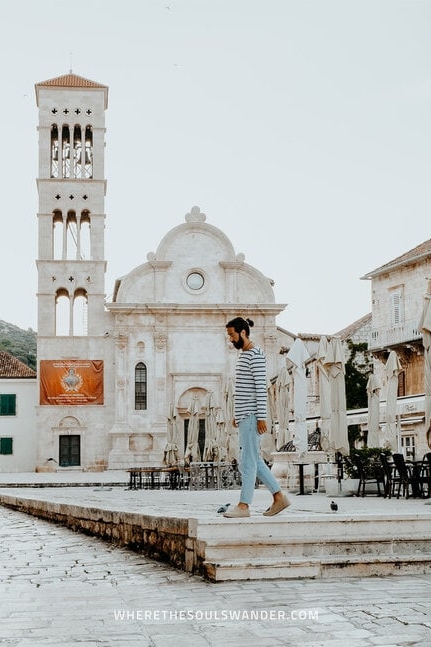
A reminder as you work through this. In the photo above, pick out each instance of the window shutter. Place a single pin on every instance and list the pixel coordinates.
(6, 445)
(7, 404)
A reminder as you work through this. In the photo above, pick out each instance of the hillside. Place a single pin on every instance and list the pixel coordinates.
(19, 343)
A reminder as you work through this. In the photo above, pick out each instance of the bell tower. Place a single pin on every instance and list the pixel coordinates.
(73, 342)
(71, 187)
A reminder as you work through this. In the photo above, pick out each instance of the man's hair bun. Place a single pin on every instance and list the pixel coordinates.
(250, 323)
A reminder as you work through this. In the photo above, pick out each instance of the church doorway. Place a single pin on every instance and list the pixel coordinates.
(70, 451)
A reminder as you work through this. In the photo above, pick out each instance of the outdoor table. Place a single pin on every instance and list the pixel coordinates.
(301, 477)
(136, 474)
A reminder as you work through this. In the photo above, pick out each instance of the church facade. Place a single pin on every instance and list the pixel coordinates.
(110, 373)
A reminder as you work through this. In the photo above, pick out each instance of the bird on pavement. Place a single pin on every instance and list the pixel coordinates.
(334, 506)
(223, 508)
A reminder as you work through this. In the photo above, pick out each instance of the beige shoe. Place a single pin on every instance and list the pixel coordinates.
(277, 507)
(237, 512)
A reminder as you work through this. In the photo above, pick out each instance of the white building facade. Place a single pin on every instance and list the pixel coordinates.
(18, 399)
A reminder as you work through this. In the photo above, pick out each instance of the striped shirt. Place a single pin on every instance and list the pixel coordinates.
(250, 384)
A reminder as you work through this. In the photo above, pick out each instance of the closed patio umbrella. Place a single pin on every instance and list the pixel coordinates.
(192, 453)
(231, 431)
(267, 440)
(298, 355)
(282, 385)
(334, 364)
(171, 456)
(392, 370)
(324, 394)
(373, 392)
(221, 433)
(211, 447)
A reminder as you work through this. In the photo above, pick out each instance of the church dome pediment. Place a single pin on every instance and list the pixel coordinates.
(195, 262)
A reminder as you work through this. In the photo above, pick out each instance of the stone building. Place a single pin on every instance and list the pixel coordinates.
(109, 373)
(398, 289)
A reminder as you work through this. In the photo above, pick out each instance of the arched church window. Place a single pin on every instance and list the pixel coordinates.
(140, 386)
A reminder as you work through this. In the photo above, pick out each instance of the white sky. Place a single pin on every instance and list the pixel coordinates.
(302, 128)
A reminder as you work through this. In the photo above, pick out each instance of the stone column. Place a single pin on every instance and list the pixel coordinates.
(120, 456)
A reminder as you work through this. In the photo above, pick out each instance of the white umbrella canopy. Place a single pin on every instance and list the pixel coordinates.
(324, 394)
(298, 355)
(425, 327)
(232, 443)
(392, 369)
(192, 453)
(211, 447)
(171, 455)
(373, 393)
(334, 364)
(282, 386)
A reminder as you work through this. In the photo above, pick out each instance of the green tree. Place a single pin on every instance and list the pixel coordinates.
(19, 343)
(358, 368)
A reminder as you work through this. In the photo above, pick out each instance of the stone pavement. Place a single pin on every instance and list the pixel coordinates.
(60, 588)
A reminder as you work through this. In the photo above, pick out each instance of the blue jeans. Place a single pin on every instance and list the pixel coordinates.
(250, 462)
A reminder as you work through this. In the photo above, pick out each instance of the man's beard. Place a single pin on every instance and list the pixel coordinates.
(238, 344)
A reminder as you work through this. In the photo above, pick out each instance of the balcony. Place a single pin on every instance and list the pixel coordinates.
(389, 336)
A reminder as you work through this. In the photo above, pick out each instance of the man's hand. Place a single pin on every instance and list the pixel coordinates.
(261, 427)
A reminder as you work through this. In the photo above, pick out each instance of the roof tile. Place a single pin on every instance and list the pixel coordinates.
(424, 249)
(71, 81)
(11, 367)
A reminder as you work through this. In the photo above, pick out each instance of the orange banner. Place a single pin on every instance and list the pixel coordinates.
(71, 382)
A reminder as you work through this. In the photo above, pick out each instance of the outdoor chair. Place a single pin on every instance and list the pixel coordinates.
(408, 477)
(391, 476)
(364, 480)
(183, 477)
(425, 475)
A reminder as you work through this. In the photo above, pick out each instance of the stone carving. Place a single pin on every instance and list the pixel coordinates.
(160, 339)
(195, 215)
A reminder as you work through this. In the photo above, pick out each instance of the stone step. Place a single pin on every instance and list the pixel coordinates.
(310, 547)
(321, 567)
(295, 545)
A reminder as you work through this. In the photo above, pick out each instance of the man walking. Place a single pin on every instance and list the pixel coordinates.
(250, 418)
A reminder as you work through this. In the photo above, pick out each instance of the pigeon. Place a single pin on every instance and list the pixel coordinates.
(223, 508)
(334, 506)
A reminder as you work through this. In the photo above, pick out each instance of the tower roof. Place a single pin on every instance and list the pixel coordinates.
(71, 81)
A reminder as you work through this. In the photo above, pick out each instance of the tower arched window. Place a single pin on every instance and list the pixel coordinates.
(140, 386)
(80, 316)
(62, 310)
(72, 236)
(65, 150)
(54, 150)
(88, 160)
(85, 240)
(77, 152)
(57, 236)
